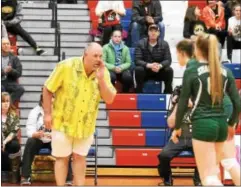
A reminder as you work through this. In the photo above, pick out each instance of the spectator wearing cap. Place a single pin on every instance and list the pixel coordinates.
(145, 13)
(153, 60)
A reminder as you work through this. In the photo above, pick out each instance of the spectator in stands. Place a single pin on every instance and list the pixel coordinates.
(213, 17)
(12, 17)
(109, 13)
(11, 71)
(116, 56)
(11, 153)
(145, 13)
(4, 30)
(76, 80)
(38, 138)
(153, 60)
(193, 26)
(234, 31)
(228, 7)
(172, 149)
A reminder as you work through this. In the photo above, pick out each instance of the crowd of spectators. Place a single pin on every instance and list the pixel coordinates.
(152, 61)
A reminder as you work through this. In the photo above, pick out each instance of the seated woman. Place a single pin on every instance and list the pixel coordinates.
(213, 17)
(234, 31)
(38, 138)
(11, 153)
(193, 26)
(109, 13)
(116, 56)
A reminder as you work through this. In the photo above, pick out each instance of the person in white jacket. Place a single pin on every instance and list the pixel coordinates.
(109, 13)
(38, 138)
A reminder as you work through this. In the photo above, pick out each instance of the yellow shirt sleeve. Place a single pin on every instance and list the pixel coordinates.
(55, 80)
(108, 81)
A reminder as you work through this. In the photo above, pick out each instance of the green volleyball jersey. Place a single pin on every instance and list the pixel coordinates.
(196, 84)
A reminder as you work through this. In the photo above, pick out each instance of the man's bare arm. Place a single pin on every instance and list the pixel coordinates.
(47, 107)
(107, 94)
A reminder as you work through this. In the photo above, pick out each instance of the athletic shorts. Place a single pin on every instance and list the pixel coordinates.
(210, 129)
(63, 145)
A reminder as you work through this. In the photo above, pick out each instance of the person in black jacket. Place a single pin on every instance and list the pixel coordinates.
(145, 13)
(11, 70)
(193, 26)
(12, 17)
(153, 60)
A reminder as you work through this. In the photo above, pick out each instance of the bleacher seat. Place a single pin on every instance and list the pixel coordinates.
(137, 157)
(152, 87)
(123, 101)
(154, 119)
(236, 69)
(138, 137)
(238, 83)
(13, 42)
(152, 101)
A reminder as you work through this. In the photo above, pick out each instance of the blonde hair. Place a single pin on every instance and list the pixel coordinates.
(208, 45)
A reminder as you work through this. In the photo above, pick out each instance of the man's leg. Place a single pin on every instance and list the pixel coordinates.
(17, 29)
(139, 78)
(166, 75)
(113, 77)
(106, 35)
(61, 149)
(126, 80)
(32, 148)
(13, 148)
(229, 47)
(80, 151)
(162, 30)
(196, 177)
(135, 33)
(15, 90)
(167, 154)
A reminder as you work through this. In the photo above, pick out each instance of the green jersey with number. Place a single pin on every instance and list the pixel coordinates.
(196, 84)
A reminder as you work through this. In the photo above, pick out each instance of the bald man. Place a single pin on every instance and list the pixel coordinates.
(11, 70)
(78, 85)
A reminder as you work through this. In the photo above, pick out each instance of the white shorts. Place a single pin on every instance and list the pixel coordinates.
(63, 145)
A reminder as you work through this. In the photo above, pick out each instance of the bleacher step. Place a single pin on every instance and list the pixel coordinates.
(72, 6)
(60, 18)
(63, 24)
(36, 5)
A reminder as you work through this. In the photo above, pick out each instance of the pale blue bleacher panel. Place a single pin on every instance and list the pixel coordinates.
(153, 119)
(186, 154)
(46, 151)
(125, 25)
(132, 53)
(151, 101)
(152, 87)
(126, 20)
(155, 138)
(235, 68)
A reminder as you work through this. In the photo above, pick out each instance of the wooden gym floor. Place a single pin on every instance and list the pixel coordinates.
(122, 181)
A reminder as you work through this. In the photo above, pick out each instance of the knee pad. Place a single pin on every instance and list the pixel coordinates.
(228, 163)
(212, 181)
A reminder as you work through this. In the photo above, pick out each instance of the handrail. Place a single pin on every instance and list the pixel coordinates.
(54, 24)
(63, 55)
(58, 42)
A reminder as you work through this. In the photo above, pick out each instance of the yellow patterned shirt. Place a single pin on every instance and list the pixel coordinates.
(77, 98)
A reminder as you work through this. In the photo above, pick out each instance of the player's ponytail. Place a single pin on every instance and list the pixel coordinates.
(208, 45)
